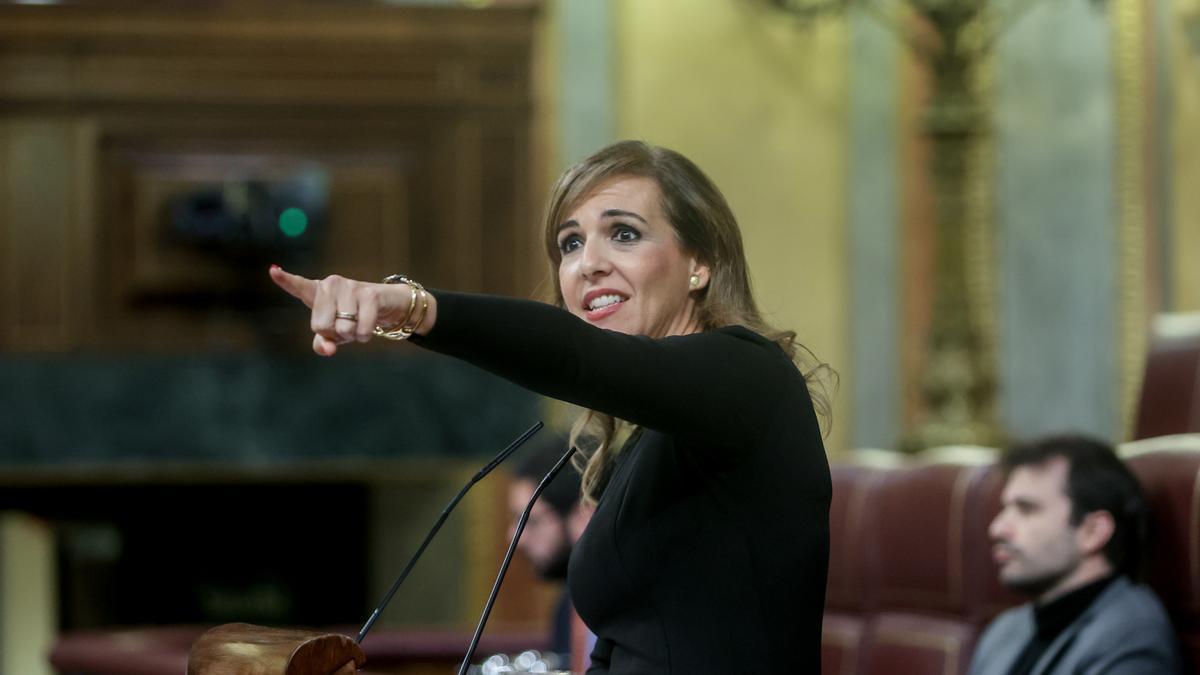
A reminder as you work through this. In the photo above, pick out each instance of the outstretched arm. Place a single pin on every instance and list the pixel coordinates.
(721, 385)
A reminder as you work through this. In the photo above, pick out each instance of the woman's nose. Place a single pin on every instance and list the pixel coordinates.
(595, 260)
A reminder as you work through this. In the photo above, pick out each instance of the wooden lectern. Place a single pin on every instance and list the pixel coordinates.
(243, 649)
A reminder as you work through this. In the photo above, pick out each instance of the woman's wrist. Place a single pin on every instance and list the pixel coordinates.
(426, 324)
(419, 309)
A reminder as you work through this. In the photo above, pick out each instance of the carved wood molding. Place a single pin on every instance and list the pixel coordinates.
(261, 54)
(420, 116)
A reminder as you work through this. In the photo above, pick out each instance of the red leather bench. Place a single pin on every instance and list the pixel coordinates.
(911, 582)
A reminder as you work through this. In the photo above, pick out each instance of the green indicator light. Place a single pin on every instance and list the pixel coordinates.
(293, 222)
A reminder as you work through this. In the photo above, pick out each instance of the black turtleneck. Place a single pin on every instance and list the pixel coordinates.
(1052, 618)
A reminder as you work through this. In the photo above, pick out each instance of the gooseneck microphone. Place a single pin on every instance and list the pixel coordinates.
(441, 519)
(512, 546)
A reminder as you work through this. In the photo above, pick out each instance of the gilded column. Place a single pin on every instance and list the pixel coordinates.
(959, 384)
(1128, 25)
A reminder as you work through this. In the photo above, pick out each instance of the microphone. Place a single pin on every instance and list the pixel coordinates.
(512, 546)
(441, 519)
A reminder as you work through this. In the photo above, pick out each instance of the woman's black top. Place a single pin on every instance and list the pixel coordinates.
(709, 547)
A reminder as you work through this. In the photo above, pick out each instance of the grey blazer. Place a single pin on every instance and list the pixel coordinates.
(1124, 632)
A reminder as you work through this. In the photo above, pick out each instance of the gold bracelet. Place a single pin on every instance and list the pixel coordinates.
(410, 329)
(405, 329)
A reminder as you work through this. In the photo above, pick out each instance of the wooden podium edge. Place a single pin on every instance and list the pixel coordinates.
(246, 649)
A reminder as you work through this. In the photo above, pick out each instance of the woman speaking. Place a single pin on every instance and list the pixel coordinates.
(708, 549)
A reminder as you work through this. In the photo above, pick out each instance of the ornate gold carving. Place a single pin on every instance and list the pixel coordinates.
(958, 386)
(954, 39)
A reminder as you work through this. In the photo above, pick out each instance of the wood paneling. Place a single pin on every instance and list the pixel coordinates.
(282, 52)
(44, 200)
(419, 116)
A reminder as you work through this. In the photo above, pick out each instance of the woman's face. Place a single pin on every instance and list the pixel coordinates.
(622, 265)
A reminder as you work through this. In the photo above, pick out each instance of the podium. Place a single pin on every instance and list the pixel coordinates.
(244, 649)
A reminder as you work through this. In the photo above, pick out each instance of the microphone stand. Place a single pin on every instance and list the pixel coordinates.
(520, 440)
(244, 649)
(512, 546)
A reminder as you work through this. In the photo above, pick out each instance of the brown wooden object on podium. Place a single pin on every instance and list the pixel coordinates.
(244, 649)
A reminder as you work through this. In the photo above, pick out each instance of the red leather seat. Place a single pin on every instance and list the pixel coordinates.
(915, 596)
(1171, 480)
(1170, 400)
(911, 579)
(846, 600)
(924, 564)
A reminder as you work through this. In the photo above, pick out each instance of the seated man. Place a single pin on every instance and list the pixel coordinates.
(1069, 535)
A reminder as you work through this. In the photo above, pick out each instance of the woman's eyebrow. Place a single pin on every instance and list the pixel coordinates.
(610, 213)
(615, 213)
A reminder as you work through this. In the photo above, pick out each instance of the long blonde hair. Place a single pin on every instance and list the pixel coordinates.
(707, 229)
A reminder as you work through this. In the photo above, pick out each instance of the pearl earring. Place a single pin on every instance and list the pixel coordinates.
(694, 280)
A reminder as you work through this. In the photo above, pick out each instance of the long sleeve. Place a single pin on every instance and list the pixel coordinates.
(720, 384)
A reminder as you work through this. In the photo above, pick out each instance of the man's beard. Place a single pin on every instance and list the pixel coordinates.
(1036, 586)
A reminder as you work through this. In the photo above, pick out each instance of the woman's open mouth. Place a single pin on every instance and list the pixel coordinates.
(598, 305)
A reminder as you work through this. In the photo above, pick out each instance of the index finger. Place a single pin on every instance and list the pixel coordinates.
(304, 290)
